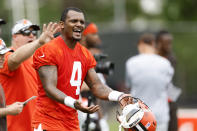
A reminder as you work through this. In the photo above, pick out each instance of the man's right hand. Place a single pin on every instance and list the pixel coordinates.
(14, 108)
(48, 32)
(91, 109)
(125, 100)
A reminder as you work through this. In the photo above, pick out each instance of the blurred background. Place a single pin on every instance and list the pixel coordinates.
(120, 24)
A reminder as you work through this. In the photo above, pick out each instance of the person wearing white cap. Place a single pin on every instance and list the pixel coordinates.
(3, 50)
(17, 76)
(12, 109)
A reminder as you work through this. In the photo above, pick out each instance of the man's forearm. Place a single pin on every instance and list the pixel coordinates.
(106, 93)
(101, 91)
(22, 53)
(48, 76)
(59, 96)
(3, 112)
(56, 95)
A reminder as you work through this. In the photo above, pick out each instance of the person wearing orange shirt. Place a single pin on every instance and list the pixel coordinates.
(14, 108)
(17, 76)
(62, 65)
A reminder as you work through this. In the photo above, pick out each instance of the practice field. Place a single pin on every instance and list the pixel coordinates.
(113, 123)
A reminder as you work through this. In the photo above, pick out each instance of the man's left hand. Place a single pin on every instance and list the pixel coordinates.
(91, 109)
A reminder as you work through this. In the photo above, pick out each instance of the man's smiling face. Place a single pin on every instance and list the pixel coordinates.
(74, 25)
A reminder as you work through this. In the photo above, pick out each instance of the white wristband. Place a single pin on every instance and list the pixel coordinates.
(69, 101)
(114, 95)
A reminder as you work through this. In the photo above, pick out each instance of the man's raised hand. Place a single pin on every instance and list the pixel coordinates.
(48, 32)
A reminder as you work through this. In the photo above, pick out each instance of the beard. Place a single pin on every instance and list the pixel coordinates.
(76, 39)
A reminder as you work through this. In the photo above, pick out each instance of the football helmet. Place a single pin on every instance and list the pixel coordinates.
(137, 117)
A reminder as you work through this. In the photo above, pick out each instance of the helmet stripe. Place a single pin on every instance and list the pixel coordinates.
(139, 128)
(135, 128)
(142, 126)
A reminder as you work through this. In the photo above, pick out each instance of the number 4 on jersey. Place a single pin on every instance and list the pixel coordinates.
(77, 82)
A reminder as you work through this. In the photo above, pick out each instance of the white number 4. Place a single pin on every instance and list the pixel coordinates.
(73, 82)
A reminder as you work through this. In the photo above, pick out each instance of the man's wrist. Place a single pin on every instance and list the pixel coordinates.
(69, 101)
(37, 43)
(114, 95)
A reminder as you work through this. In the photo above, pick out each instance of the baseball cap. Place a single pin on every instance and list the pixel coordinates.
(3, 48)
(22, 25)
(2, 21)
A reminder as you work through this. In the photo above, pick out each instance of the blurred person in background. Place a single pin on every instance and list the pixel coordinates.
(164, 46)
(62, 65)
(91, 37)
(17, 76)
(147, 77)
(164, 49)
(96, 121)
(14, 108)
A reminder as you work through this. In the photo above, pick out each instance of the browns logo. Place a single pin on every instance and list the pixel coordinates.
(24, 22)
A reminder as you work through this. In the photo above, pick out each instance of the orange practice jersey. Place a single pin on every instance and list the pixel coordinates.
(3, 121)
(19, 85)
(72, 66)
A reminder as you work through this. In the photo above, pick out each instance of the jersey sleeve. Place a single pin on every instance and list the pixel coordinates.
(5, 70)
(91, 62)
(43, 56)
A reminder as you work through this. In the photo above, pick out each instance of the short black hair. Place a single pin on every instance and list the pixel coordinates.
(160, 34)
(65, 12)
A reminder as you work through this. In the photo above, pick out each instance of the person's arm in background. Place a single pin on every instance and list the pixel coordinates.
(48, 77)
(12, 109)
(24, 52)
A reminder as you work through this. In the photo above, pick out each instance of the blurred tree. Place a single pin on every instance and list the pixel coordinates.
(50, 10)
(185, 48)
(95, 10)
(3, 10)
(133, 9)
(175, 10)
